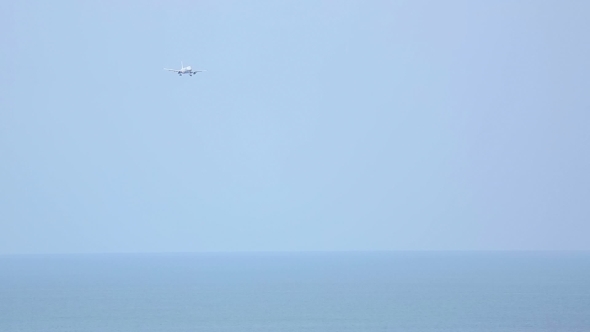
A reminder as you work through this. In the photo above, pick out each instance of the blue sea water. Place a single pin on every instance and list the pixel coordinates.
(327, 292)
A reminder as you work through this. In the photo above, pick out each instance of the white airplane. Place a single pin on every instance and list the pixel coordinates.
(185, 70)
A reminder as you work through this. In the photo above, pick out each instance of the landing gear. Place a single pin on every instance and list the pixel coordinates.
(179, 74)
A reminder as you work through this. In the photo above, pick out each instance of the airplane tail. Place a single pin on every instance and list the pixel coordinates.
(181, 65)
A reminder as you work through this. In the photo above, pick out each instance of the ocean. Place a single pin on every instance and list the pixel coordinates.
(284, 292)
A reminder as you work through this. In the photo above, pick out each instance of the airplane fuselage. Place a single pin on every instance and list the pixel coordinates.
(187, 70)
(184, 70)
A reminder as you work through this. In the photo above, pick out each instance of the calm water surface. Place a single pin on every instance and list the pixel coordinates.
(327, 292)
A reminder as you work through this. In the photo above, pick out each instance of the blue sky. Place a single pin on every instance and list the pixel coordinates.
(319, 125)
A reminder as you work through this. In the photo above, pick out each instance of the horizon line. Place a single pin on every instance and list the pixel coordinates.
(293, 252)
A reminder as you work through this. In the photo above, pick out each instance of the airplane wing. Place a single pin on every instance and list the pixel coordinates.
(174, 70)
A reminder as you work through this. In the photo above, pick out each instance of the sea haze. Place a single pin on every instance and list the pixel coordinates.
(346, 291)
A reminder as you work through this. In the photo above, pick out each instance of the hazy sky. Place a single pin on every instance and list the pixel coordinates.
(319, 125)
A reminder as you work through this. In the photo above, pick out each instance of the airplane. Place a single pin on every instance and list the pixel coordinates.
(184, 70)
